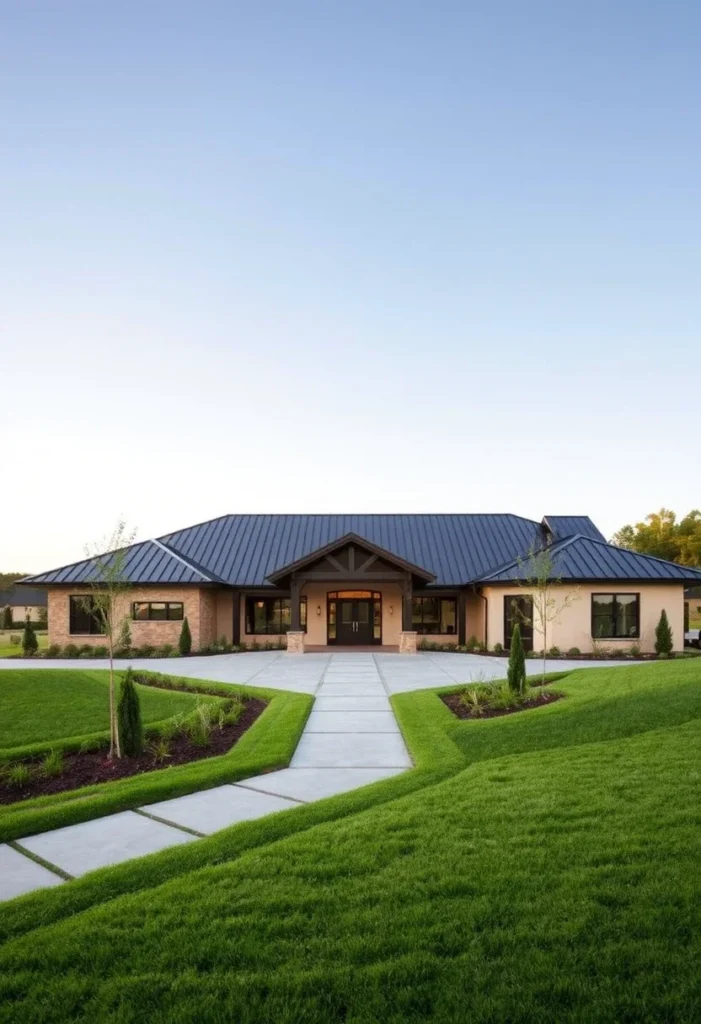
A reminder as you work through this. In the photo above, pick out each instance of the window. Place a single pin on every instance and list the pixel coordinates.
(434, 615)
(272, 614)
(154, 611)
(615, 616)
(84, 617)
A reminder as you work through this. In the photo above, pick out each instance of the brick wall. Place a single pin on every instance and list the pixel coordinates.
(199, 608)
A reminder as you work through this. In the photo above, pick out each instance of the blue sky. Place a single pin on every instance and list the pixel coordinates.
(312, 256)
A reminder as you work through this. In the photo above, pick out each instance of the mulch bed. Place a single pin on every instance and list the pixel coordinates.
(452, 700)
(90, 767)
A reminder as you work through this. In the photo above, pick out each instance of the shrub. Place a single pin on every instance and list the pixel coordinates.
(30, 644)
(554, 652)
(634, 651)
(165, 650)
(15, 639)
(131, 729)
(244, 647)
(53, 651)
(471, 643)
(7, 617)
(144, 652)
(663, 635)
(574, 652)
(498, 648)
(101, 651)
(255, 646)
(185, 641)
(481, 646)
(516, 672)
(124, 635)
(18, 774)
(70, 651)
(52, 765)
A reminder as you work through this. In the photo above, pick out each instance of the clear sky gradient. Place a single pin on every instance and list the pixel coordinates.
(362, 256)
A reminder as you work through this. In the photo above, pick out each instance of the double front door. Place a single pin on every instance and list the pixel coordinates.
(354, 621)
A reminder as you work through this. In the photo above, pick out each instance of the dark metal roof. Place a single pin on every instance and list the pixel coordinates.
(583, 558)
(150, 561)
(244, 550)
(17, 596)
(570, 526)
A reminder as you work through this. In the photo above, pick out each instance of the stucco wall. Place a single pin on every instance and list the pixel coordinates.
(199, 608)
(572, 628)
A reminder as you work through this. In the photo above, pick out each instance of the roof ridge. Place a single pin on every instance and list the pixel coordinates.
(642, 554)
(180, 558)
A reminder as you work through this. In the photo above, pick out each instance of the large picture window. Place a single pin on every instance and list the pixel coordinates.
(154, 611)
(437, 615)
(271, 615)
(615, 616)
(84, 618)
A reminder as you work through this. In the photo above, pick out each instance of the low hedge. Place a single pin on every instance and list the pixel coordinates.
(266, 746)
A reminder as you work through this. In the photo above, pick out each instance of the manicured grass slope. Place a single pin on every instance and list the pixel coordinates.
(48, 705)
(267, 745)
(558, 883)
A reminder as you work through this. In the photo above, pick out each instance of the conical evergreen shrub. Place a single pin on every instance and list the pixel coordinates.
(516, 674)
(664, 640)
(185, 641)
(30, 644)
(7, 617)
(131, 728)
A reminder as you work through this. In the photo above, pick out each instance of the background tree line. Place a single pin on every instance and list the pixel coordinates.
(663, 536)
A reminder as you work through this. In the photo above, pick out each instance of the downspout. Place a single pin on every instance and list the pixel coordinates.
(486, 618)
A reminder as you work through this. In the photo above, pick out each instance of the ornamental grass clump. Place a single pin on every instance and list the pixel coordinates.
(52, 764)
(131, 728)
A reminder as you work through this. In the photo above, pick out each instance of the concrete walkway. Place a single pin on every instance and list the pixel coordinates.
(350, 740)
(280, 671)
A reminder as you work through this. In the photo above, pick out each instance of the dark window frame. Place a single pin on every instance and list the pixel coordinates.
(157, 618)
(615, 595)
(97, 627)
(249, 614)
(434, 632)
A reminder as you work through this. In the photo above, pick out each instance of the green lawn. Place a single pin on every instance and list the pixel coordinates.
(540, 867)
(7, 648)
(47, 705)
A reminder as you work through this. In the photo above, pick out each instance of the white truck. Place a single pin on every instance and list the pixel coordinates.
(692, 638)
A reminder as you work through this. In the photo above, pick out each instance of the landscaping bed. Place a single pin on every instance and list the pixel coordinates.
(461, 710)
(88, 767)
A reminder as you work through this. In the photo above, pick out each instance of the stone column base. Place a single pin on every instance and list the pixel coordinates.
(407, 642)
(295, 642)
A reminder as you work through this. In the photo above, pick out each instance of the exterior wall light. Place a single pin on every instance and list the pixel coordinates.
(391, 609)
(318, 610)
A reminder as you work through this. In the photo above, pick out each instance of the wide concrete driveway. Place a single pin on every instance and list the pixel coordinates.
(304, 673)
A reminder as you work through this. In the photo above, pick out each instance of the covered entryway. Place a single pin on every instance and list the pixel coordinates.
(354, 618)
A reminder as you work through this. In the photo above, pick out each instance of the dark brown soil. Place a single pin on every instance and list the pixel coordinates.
(452, 700)
(90, 767)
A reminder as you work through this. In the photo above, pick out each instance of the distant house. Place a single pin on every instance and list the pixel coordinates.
(363, 580)
(25, 603)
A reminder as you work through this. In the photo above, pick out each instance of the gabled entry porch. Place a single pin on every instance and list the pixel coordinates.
(355, 594)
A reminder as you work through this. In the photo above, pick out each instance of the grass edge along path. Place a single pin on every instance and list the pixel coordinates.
(266, 746)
